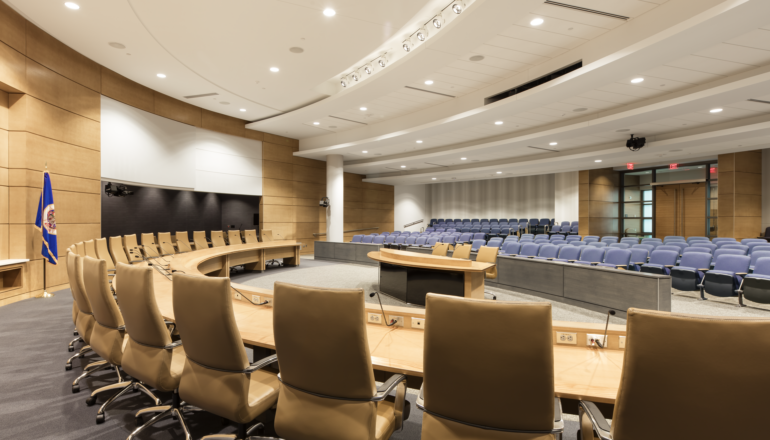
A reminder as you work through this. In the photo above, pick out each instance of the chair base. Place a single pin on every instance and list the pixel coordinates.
(87, 371)
(124, 387)
(81, 353)
(174, 410)
(71, 346)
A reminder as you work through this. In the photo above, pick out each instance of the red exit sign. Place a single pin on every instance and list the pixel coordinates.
(629, 166)
(673, 166)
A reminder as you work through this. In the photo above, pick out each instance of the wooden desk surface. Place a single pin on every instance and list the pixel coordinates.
(580, 373)
(413, 259)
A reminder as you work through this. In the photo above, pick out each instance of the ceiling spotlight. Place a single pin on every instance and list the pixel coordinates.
(536, 22)
(499, 123)
(433, 178)
(274, 69)
(403, 166)
(368, 69)
(554, 143)
(72, 5)
(243, 109)
(438, 21)
(161, 75)
(428, 82)
(637, 80)
(463, 158)
(364, 151)
(598, 160)
(316, 123)
(422, 34)
(329, 12)
(715, 110)
(383, 60)
(406, 45)
(344, 82)
(354, 76)
(458, 7)
(499, 172)
(419, 142)
(363, 109)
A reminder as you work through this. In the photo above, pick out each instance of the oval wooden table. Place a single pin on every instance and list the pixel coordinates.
(580, 372)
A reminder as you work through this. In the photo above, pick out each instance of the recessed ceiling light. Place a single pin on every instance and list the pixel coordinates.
(364, 151)
(274, 69)
(161, 75)
(716, 110)
(72, 5)
(243, 109)
(428, 82)
(316, 123)
(363, 109)
(598, 160)
(554, 143)
(403, 166)
(296, 50)
(536, 22)
(329, 12)
(499, 123)
(499, 172)
(117, 45)
(463, 158)
(637, 80)
(433, 178)
(476, 58)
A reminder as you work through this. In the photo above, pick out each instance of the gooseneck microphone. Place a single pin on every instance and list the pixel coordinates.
(606, 326)
(371, 295)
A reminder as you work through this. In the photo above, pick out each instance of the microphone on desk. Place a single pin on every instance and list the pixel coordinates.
(371, 295)
(606, 326)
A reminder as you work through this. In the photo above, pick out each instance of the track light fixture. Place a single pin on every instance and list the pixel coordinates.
(383, 60)
(343, 82)
(458, 7)
(368, 69)
(438, 21)
(407, 45)
(422, 34)
(354, 77)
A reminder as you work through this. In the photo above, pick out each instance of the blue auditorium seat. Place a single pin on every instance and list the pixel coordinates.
(661, 262)
(689, 274)
(726, 277)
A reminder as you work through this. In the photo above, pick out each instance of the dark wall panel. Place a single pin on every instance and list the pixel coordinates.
(240, 210)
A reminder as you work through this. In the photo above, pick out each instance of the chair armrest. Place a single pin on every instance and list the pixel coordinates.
(173, 345)
(743, 274)
(388, 386)
(705, 270)
(421, 398)
(397, 382)
(598, 421)
(558, 420)
(572, 261)
(111, 270)
(669, 265)
(260, 364)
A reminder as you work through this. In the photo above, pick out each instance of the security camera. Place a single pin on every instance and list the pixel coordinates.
(324, 202)
(635, 144)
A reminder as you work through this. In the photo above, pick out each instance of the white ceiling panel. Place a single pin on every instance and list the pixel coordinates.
(529, 47)
(682, 75)
(542, 36)
(737, 54)
(758, 39)
(513, 55)
(481, 67)
(710, 65)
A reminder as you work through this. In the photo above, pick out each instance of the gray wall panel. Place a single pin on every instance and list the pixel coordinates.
(324, 249)
(345, 251)
(609, 288)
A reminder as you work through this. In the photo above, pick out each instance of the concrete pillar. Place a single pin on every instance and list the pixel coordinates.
(335, 191)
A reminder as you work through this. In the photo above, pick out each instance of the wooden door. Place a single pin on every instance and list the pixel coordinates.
(680, 210)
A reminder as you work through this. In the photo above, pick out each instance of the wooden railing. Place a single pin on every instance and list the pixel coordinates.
(318, 234)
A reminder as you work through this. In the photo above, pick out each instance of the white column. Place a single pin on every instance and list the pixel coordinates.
(566, 197)
(335, 191)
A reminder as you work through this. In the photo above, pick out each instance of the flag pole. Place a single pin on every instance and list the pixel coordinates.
(45, 260)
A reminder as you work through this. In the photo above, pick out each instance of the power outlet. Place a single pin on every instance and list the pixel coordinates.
(418, 323)
(256, 299)
(566, 338)
(374, 318)
(237, 296)
(622, 342)
(268, 301)
(399, 320)
(592, 338)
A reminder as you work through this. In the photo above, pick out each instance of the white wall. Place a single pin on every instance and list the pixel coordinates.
(566, 196)
(146, 149)
(412, 203)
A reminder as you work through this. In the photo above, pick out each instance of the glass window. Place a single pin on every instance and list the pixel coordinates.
(647, 210)
(714, 171)
(637, 178)
(647, 226)
(683, 173)
(647, 194)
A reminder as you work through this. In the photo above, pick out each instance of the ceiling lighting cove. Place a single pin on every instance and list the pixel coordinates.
(637, 80)
(458, 7)
(73, 6)
(422, 34)
(536, 22)
(716, 110)
(329, 12)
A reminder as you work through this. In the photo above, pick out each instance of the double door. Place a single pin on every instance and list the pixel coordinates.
(680, 209)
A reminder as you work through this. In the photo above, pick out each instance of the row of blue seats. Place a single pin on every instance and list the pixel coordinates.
(532, 225)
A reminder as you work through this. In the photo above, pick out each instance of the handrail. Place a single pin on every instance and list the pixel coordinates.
(414, 223)
(318, 234)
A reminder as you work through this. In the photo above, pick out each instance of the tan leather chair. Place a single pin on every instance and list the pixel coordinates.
(85, 318)
(103, 253)
(199, 238)
(462, 251)
(116, 250)
(267, 235)
(182, 242)
(149, 245)
(165, 243)
(217, 376)
(133, 250)
(687, 377)
(488, 254)
(108, 335)
(81, 249)
(149, 356)
(90, 249)
(251, 236)
(234, 237)
(441, 249)
(217, 239)
(327, 381)
(512, 397)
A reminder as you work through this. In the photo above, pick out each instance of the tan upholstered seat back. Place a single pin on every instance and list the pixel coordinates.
(314, 325)
(182, 242)
(81, 249)
(107, 336)
(234, 237)
(516, 389)
(103, 253)
(165, 243)
(687, 376)
(488, 255)
(90, 249)
(462, 251)
(441, 249)
(85, 321)
(149, 245)
(217, 239)
(267, 235)
(144, 322)
(199, 237)
(116, 250)
(251, 236)
(203, 308)
(132, 248)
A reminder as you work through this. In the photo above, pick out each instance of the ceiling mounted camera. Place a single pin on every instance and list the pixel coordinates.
(635, 144)
(113, 190)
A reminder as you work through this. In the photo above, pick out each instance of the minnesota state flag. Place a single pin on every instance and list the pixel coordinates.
(46, 220)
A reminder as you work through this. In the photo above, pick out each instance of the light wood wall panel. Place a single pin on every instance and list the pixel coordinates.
(48, 86)
(598, 204)
(128, 92)
(62, 59)
(29, 114)
(12, 28)
(12, 69)
(740, 195)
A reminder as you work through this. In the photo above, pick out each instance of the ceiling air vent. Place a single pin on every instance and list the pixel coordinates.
(532, 84)
(201, 96)
(759, 101)
(590, 11)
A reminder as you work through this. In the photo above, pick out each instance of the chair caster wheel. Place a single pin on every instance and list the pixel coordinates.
(91, 400)
(70, 349)
(75, 333)
(99, 419)
(68, 367)
(75, 389)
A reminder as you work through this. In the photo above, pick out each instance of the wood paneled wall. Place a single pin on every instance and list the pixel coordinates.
(598, 204)
(740, 195)
(368, 205)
